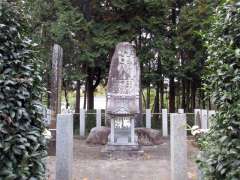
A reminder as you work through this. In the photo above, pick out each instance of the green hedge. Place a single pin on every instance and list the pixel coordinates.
(221, 147)
(22, 144)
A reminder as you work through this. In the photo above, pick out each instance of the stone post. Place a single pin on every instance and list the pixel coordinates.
(164, 122)
(82, 123)
(64, 147)
(132, 131)
(204, 119)
(56, 83)
(211, 113)
(180, 111)
(112, 131)
(197, 117)
(148, 118)
(199, 175)
(48, 117)
(178, 144)
(99, 118)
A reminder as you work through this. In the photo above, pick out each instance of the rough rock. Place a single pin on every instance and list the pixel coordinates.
(98, 135)
(148, 136)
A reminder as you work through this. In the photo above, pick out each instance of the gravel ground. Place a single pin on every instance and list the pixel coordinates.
(154, 164)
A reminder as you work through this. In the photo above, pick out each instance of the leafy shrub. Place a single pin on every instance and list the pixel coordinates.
(221, 159)
(22, 143)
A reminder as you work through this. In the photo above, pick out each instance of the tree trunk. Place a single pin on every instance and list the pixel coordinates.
(90, 92)
(209, 103)
(162, 94)
(93, 75)
(194, 89)
(78, 96)
(188, 95)
(156, 100)
(178, 87)
(66, 94)
(148, 97)
(183, 95)
(203, 99)
(85, 96)
(171, 95)
(144, 99)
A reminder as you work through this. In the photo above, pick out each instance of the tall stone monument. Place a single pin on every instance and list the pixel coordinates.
(56, 83)
(123, 95)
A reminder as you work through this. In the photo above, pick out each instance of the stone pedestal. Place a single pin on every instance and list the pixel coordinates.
(122, 132)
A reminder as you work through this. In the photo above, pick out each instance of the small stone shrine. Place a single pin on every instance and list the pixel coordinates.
(123, 97)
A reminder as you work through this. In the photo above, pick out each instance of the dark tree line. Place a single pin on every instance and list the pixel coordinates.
(167, 35)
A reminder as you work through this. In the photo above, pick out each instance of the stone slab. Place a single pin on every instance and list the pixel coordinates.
(148, 118)
(164, 122)
(82, 123)
(64, 147)
(178, 145)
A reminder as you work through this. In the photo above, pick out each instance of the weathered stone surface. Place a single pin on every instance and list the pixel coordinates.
(64, 147)
(56, 83)
(98, 135)
(164, 122)
(204, 119)
(123, 95)
(123, 90)
(178, 144)
(82, 123)
(148, 118)
(147, 136)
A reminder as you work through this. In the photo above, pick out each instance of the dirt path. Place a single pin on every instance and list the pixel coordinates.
(154, 164)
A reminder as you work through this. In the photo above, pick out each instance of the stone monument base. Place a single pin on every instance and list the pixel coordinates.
(112, 151)
(113, 147)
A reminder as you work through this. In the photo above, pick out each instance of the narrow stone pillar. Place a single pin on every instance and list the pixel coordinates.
(211, 113)
(180, 111)
(148, 118)
(199, 175)
(164, 122)
(82, 123)
(112, 131)
(197, 117)
(132, 131)
(178, 143)
(56, 83)
(99, 118)
(48, 117)
(64, 147)
(204, 119)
